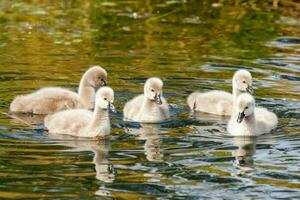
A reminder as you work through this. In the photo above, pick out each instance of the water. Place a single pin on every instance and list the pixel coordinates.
(191, 46)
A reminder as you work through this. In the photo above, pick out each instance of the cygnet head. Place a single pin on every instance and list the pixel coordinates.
(105, 98)
(96, 76)
(153, 89)
(245, 106)
(242, 80)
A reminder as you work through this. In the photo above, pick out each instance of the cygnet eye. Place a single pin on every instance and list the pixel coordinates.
(152, 90)
(246, 107)
(105, 98)
(244, 81)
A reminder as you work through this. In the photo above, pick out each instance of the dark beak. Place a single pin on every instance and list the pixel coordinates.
(240, 117)
(158, 99)
(250, 89)
(194, 106)
(103, 82)
(110, 169)
(112, 107)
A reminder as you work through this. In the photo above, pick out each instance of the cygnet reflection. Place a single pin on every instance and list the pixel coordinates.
(151, 134)
(210, 121)
(244, 154)
(202, 116)
(104, 169)
(103, 192)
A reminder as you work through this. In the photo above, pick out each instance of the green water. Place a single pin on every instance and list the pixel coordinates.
(192, 45)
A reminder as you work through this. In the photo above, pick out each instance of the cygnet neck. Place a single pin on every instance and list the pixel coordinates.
(148, 103)
(250, 123)
(86, 93)
(250, 118)
(100, 115)
(236, 93)
(100, 119)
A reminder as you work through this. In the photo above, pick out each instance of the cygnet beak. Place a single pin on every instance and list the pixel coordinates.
(250, 89)
(240, 117)
(112, 107)
(158, 99)
(103, 82)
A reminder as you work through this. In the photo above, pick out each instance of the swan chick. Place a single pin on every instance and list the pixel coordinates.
(150, 107)
(221, 102)
(82, 122)
(53, 99)
(250, 121)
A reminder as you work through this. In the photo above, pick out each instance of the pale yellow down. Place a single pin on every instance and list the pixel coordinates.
(82, 122)
(221, 102)
(144, 108)
(53, 99)
(257, 121)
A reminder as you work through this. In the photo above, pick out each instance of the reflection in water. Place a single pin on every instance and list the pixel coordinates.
(193, 46)
(244, 154)
(209, 117)
(103, 192)
(210, 121)
(104, 169)
(150, 133)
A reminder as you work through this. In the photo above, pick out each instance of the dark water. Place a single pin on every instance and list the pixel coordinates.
(191, 45)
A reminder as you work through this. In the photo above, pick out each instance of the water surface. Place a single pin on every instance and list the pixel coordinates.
(191, 46)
